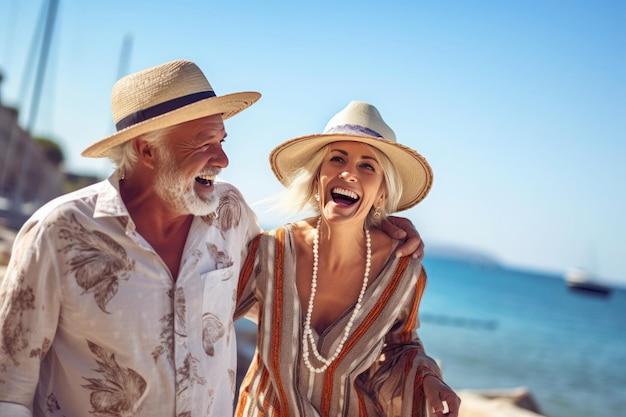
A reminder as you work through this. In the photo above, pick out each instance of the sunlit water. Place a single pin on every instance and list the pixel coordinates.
(494, 328)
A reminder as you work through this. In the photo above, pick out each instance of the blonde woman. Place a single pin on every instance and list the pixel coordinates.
(337, 312)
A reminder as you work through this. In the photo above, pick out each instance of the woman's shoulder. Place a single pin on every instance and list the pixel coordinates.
(299, 230)
(384, 248)
(382, 243)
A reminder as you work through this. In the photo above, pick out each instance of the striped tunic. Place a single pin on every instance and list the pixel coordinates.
(380, 369)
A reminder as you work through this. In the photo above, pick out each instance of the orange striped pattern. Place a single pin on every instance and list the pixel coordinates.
(420, 286)
(372, 316)
(247, 267)
(277, 322)
(269, 388)
(408, 366)
(362, 410)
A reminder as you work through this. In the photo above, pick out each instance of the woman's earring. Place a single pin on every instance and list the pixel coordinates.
(377, 213)
(317, 197)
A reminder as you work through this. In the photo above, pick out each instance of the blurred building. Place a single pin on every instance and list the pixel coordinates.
(27, 178)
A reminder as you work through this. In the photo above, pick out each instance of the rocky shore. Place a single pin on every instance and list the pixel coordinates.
(517, 402)
(506, 403)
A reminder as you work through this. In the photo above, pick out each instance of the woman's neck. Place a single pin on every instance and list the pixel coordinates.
(341, 243)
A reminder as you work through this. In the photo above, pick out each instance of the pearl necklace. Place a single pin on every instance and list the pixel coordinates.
(307, 335)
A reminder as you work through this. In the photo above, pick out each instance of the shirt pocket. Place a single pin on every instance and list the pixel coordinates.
(219, 291)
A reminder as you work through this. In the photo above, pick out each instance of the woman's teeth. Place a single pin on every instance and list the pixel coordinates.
(344, 196)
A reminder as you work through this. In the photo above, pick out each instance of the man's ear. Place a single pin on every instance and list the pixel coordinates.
(145, 152)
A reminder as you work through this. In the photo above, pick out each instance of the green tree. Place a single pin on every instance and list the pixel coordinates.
(51, 150)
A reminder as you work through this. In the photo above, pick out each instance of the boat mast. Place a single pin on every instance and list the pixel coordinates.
(39, 79)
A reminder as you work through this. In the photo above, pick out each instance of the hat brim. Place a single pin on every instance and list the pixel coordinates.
(413, 169)
(227, 105)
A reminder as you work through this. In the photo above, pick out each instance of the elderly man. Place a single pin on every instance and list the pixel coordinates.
(118, 299)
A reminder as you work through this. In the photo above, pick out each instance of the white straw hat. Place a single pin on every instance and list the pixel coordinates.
(164, 96)
(358, 122)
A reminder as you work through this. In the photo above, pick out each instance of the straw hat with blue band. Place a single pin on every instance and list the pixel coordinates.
(164, 96)
(359, 122)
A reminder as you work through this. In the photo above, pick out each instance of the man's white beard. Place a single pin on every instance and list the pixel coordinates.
(178, 191)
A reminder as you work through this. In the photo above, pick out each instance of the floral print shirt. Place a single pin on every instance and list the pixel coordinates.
(93, 324)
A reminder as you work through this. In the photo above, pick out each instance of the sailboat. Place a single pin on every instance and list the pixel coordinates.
(581, 280)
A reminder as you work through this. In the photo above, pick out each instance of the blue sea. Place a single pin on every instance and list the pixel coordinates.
(498, 328)
(494, 328)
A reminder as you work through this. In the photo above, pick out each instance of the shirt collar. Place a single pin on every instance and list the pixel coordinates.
(109, 202)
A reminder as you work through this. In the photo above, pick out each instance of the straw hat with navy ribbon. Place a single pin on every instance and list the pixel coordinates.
(359, 122)
(164, 96)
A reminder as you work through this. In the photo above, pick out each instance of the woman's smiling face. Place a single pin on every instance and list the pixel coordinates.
(351, 181)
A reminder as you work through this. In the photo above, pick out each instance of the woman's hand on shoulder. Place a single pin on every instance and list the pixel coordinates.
(437, 392)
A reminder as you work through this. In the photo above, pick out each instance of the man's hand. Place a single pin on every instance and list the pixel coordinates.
(402, 228)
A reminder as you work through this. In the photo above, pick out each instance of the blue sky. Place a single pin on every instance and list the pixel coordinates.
(519, 106)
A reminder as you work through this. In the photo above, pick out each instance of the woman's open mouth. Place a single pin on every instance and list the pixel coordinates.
(344, 197)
